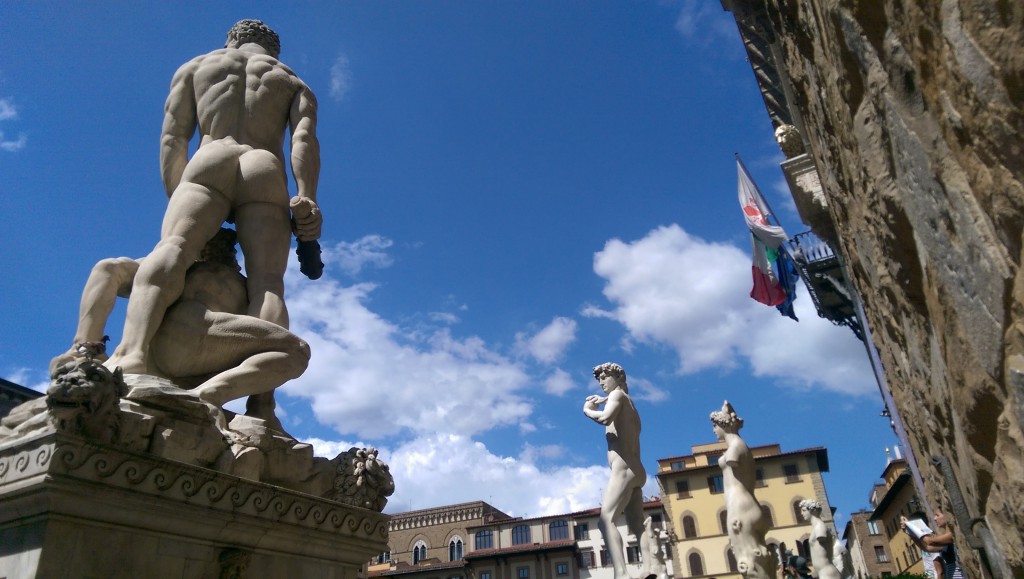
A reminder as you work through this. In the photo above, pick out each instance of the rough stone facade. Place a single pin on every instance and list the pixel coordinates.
(912, 112)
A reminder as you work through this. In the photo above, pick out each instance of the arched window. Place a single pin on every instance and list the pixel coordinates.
(689, 527)
(419, 552)
(696, 564)
(558, 530)
(455, 549)
(723, 521)
(484, 540)
(768, 515)
(797, 515)
(521, 535)
(732, 561)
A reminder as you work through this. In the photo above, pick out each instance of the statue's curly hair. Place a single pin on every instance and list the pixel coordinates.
(613, 370)
(813, 505)
(250, 30)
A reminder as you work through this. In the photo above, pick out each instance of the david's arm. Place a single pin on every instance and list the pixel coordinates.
(179, 126)
(607, 415)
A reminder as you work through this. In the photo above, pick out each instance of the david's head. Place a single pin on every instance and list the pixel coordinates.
(254, 31)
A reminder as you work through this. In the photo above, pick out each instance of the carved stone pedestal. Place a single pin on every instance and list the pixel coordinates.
(74, 508)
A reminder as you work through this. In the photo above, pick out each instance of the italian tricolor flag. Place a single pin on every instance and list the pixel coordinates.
(766, 240)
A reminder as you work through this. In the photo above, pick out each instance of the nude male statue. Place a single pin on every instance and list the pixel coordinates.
(205, 339)
(822, 542)
(242, 99)
(624, 492)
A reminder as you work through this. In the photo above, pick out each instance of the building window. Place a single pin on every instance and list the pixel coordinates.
(521, 535)
(716, 485)
(419, 552)
(733, 567)
(873, 528)
(455, 549)
(723, 521)
(523, 572)
(484, 540)
(682, 489)
(689, 527)
(797, 513)
(558, 531)
(677, 465)
(582, 532)
(484, 575)
(696, 564)
(633, 554)
(384, 557)
(759, 478)
(562, 569)
(791, 472)
(587, 558)
(767, 512)
(604, 557)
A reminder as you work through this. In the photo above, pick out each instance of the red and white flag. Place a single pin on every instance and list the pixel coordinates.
(765, 238)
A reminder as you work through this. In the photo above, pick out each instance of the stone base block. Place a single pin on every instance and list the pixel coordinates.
(72, 508)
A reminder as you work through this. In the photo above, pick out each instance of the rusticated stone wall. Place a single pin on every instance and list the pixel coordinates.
(912, 111)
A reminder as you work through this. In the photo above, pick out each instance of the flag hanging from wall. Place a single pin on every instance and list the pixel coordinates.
(773, 270)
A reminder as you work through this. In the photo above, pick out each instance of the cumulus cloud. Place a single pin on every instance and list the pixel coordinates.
(549, 344)
(352, 257)
(341, 78)
(440, 469)
(699, 21)
(558, 383)
(34, 379)
(373, 378)
(672, 288)
(7, 110)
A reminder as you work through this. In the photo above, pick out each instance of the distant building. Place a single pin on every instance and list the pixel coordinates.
(12, 395)
(477, 541)
(893, 498)
(694, 501)
(868, 546)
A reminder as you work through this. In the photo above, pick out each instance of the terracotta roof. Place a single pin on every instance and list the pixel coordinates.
(820, 451)
(420, 567)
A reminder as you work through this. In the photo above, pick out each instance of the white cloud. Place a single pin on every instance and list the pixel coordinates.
(441, 469)
(676, 289)
(352, 257)
(373, 378)
(558, 383)
(549, 344)
(13, 146)
(642, 389)
(7, 110)
(444, 317)
(341, 78)
(29, 378)
(704, 22)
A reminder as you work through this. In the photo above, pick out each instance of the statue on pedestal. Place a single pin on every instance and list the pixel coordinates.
(822, 541)
(746, 522)
(624, 490)
(241, 98)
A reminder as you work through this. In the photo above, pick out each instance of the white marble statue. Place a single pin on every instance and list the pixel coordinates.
(822, 541)
(747, 523)
(651, 542)
(206, 341)
(624, 490)
(242, 100)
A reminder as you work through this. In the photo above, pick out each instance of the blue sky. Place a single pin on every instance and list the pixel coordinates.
(513, 193)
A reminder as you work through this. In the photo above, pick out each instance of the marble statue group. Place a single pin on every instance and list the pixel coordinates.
(192, 317)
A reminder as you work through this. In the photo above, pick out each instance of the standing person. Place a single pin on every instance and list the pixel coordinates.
(938, 547)
(242, 100)
(624, 492)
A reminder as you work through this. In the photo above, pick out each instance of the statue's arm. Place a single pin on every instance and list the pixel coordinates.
(611, 408)
(179, 125)
(109, 279)
(305, 159)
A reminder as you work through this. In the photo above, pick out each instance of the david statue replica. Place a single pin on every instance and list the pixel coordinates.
(241, 98)
(624, 492)
(746, 522)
